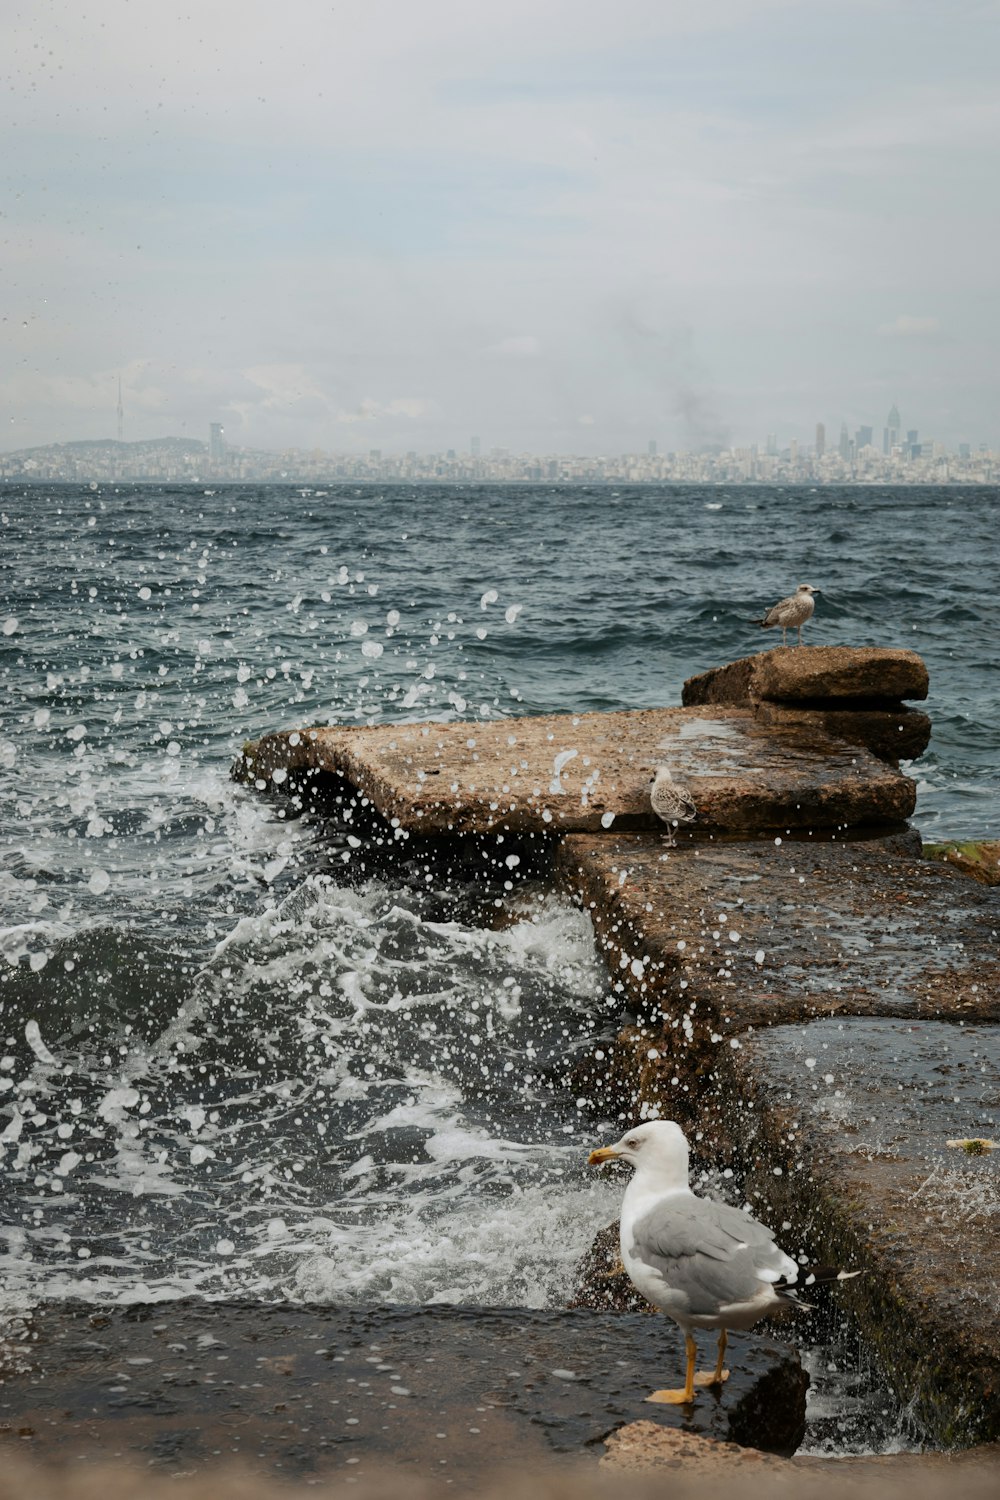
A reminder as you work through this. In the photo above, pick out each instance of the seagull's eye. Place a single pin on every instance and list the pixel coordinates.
(634, 1144)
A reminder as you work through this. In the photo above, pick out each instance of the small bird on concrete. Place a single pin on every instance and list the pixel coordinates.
(704, 1264)
(791, 613)
(671, 801)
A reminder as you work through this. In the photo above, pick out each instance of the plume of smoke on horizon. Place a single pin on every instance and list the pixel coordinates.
(664, 353)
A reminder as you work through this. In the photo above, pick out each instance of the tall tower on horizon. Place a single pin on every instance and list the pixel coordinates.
(216, 442)
(820, 439)
(121, 413)
(893, 430)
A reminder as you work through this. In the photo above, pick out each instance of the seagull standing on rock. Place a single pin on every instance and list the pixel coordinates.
(671, 801)
(705, 1264)
(791, 613)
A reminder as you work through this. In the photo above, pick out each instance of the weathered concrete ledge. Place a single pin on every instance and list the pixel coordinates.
(589, 772)
(855, 693)
(825, 1017)
(301, 1390)
(848, 1126)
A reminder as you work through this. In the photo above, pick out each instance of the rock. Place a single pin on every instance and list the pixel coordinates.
(886, 966)
(813, 674)
(840, 672)
(562, 773)
(602, 1281)
(721, 938)
(847, 1125)
(893, 734)
(646, 1445)
(980, 859)
(412, 1386)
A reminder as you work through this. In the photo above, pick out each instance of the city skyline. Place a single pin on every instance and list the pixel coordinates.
(899, 458)
(565, 224)
(894, 436)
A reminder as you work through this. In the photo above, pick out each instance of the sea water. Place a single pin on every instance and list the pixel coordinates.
(233, 1059)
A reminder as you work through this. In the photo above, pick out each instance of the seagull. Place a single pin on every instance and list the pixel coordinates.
(705, 1264)
(791, 613)
(670, 801)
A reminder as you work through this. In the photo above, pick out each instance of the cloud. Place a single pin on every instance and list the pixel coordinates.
(521, 346)
(908, 327)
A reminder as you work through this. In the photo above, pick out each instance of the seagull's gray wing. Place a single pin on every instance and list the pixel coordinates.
(709, 1253)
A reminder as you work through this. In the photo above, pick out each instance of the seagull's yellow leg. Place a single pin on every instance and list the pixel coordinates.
(681, 1398)
(718, 1375)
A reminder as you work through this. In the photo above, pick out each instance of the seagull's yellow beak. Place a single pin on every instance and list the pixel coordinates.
(602, 1154)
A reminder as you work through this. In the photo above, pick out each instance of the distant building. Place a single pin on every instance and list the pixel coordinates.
(651, 449)
(474, 447)
(863, 438)
(820, 439)
(216, 442)
(772, 445)
(891, 431)
(374, 455)
(844, 446)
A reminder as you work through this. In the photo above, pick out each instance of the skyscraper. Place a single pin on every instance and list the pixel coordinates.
(863, 438)
(652, 448)
(216, 443)
(891, 433)
(844, 446)
(474, 447)
(820, 439)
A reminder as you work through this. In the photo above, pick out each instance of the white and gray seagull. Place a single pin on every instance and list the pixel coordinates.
(705, 1264)
(791, 613)
(670, 801)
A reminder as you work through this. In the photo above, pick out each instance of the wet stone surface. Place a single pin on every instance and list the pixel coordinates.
(304, 1390)
(747, 934)
(591, 771)
(850, 1121)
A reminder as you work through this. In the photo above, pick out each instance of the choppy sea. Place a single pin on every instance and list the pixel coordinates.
(231, 1062)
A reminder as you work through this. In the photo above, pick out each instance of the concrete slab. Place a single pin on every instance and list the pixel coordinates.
(566, 773)
(849, 1124)
(813, 674)
(445, 1392)
(888, 965)
(748, 934)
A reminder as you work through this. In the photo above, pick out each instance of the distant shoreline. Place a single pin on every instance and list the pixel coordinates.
(8, 481)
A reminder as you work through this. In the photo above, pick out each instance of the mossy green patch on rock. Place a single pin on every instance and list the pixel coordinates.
(979, 858)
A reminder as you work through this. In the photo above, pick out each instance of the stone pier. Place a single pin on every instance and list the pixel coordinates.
(816, 1002)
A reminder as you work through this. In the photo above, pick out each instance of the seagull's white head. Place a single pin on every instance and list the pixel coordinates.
(806, 588)
(660, 773)
(658, 1147)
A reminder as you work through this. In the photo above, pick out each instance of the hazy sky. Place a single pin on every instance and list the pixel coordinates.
(563, 225)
